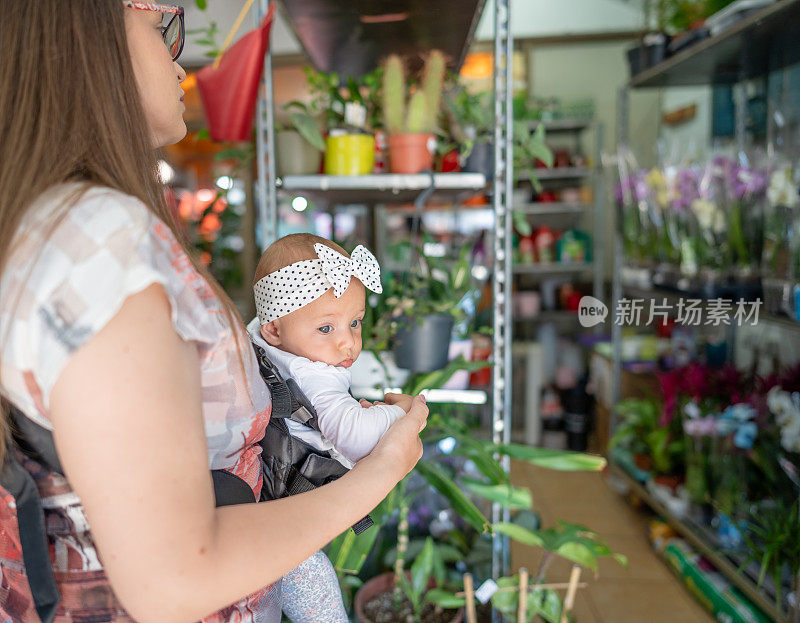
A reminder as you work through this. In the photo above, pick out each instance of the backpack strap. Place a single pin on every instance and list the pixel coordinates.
(36, 442)
(15, 479)
(288, 400)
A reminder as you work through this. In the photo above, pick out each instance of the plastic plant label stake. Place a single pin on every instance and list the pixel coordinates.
(486, 590)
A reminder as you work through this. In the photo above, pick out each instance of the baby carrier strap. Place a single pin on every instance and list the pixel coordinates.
(288, 400)
(292, 466)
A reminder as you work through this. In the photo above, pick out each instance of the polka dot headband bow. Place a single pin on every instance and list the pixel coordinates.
(294, 286)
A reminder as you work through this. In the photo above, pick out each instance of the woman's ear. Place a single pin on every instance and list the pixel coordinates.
(271, 333)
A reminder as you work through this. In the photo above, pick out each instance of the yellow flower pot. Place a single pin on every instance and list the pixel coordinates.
(349, 154)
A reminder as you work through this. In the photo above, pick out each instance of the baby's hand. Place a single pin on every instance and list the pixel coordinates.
(401, 400)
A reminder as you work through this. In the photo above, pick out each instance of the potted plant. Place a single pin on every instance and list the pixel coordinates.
(425, 308)
(637, 419)
(530, 152)
(298, 141)
(472, 126)
(491, 485)
(352, 113)
(417, 595)
(781, 238)
(411, 124)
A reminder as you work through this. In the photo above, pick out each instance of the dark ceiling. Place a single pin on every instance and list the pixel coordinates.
(352, 37)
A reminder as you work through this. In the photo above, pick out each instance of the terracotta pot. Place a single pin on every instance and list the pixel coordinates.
(411, 153)
(381, 584)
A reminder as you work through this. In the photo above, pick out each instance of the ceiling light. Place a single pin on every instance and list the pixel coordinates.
(386, 18)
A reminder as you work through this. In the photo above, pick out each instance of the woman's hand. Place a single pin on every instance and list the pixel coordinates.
(400, 447)
(404, 401)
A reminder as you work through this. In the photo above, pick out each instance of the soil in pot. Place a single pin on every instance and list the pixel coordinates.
(381, 609)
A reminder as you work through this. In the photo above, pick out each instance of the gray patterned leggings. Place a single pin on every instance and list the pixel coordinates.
(311, 592)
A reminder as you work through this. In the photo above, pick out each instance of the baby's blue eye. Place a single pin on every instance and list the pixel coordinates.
(355, 323)
(326, 329)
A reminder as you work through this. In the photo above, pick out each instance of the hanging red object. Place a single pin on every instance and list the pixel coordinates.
(229, 86)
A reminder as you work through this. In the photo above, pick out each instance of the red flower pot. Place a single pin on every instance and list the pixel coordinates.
(229, 90)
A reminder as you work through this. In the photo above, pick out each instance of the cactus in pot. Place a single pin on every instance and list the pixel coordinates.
(411, 124)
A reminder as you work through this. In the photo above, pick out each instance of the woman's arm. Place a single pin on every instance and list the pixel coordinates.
(129, 431)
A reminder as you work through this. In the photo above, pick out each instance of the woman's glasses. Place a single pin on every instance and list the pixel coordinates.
(173, 29)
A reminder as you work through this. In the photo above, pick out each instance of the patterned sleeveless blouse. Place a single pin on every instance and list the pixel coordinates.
(63, 289)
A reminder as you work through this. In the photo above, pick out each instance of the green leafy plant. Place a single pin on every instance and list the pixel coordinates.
(640, 432)
(541, 602)
(302, 119)
(433, 286)
(637, 419)
(471, 118)
(773, 540)
(330, 93)
(529, 149)
(428, 565)
(419, 111)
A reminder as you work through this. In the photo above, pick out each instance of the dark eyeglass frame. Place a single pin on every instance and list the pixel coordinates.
(177, 14)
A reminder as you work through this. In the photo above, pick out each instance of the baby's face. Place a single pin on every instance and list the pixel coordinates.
(327, 329)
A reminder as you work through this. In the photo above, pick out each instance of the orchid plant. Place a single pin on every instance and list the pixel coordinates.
(782, 223)
(744, 190)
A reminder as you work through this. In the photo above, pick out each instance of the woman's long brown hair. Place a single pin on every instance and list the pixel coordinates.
(69, 112)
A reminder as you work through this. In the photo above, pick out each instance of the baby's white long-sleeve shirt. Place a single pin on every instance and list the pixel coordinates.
(347, 429)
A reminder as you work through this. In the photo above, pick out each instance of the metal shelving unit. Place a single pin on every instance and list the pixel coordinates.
(545, 208)
(562, 125)
(558, 173)
(764, 41)
(383, 188)
(309, 19)
(697, 537)
(543, 212)
(738, 53)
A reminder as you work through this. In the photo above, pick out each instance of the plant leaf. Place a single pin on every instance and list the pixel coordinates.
(578, 553)
(562, 460)
(444, 599)
(514, 498)
(308, 128)
(461, 503)
(422, 569)
(518, 533)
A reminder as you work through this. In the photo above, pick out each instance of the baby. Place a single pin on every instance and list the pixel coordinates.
(310, 298)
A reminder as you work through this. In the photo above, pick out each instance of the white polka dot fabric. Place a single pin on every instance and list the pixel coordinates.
(294, 286)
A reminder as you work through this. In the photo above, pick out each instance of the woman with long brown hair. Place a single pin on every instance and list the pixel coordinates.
(116, 341)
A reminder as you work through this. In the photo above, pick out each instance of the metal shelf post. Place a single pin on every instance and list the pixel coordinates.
(266, 196)
(501, 283)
